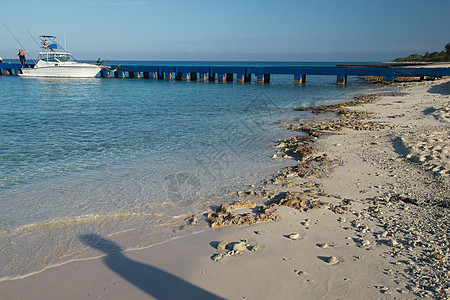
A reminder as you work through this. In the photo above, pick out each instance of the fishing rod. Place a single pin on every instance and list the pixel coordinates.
(34, 39)
(18, 42)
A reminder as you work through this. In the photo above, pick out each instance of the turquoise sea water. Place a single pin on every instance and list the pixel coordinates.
(130, 158)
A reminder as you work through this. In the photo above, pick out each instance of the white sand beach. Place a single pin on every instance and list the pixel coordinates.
(380, 232)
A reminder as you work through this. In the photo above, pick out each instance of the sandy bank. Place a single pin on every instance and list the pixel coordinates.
(383, 233)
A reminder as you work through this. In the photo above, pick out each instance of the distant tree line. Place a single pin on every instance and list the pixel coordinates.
(428, 57)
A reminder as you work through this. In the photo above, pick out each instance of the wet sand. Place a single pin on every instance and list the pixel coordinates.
(364, 213)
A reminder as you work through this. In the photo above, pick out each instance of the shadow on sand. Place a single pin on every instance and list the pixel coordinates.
(443, 89)
(153, 281)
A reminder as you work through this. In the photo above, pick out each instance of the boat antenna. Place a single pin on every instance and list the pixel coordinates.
(18, 41)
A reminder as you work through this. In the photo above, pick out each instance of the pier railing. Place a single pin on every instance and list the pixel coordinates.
(245, 73)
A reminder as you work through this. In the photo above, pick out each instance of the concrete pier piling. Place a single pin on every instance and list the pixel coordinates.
(263, 78)
(341, 79)
(243, 77)
(149, 75)
(134, 74)
(299, 78)
(119, 74)
(185, 76)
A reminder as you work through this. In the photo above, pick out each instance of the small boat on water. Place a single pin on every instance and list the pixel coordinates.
(55, 61)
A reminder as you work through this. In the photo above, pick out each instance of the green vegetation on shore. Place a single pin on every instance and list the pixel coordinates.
(428, 57)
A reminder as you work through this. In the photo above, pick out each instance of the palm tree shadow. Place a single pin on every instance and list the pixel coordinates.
(153, 281)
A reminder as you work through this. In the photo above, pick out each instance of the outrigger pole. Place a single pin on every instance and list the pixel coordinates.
(18, 42)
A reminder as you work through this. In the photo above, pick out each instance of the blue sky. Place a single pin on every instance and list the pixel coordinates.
(282, 30)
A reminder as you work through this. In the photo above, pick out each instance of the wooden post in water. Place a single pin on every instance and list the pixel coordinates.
(300, 78)
(193, 76)
(212, 77)
(248, 78)
(229, 77)
(160, 75)
(342, 79)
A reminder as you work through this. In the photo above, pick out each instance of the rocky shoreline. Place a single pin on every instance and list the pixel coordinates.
(409, 223)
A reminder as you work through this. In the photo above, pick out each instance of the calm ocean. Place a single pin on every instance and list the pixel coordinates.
(129, 159)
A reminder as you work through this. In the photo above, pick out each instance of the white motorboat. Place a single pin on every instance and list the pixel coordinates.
(55, 61)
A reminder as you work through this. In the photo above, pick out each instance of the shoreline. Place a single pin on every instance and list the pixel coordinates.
(378, 253)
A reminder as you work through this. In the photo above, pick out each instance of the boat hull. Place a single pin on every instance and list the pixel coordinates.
(85, 71)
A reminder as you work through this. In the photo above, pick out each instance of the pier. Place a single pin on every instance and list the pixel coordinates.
(261, 73)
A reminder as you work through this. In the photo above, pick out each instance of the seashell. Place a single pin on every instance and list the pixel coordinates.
(393, 243)
(384, 234)
(239, 246)
(254, 248)
(222, 245)
(365, 243)
(332, 260)
(294, 236)
(217, 257)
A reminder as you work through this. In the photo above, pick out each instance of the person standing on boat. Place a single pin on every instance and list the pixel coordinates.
(22, 56)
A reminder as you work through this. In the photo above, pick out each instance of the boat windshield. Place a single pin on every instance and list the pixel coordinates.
(62, 57)
(54, 57)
